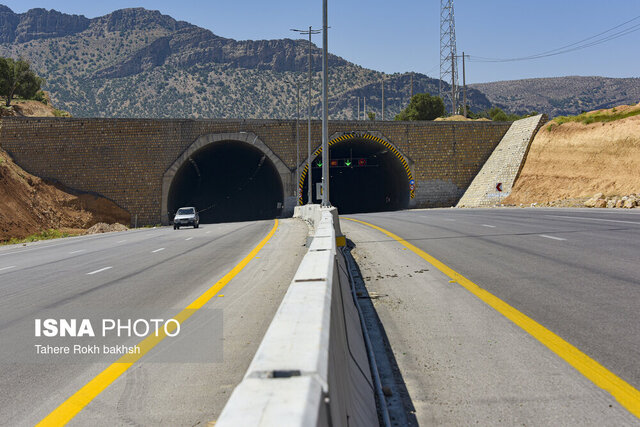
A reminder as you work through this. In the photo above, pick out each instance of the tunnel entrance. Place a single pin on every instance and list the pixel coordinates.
(365, 176)
(227, 181)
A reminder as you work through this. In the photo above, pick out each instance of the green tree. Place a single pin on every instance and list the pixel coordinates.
(17, 79)
(497, 115)
(423, 106)
(371, 115)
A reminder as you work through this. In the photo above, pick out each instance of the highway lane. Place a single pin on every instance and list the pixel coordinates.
(575, 271)
(153, 270)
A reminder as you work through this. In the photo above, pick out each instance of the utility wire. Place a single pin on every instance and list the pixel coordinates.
(573, 46)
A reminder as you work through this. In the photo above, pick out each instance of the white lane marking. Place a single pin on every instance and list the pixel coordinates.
(6, 268)
(448, 219)
(487, 225)
(157, 250)
(189, 238)
(67, 241)
(76, 252)
(551, 237)
(208, 232)
(121, 241)
(98, 271)
(595, 219)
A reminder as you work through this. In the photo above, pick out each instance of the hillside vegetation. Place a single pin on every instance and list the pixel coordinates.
(140, 63)
(561, 95)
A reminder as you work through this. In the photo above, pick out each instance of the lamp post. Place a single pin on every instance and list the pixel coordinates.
(297, 140)
(309, 32)
(325, 110)
(383, 97)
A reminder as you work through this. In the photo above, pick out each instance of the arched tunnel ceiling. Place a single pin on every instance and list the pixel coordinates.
(366, 175)
(227, 181)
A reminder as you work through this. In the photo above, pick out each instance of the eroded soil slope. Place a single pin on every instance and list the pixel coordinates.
(574, 160)
(29, 205)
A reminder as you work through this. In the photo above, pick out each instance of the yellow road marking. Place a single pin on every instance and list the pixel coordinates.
(74, 404)
(622, 391)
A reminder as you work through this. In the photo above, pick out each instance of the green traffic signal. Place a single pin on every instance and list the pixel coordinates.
(319, 164)
(347, 162)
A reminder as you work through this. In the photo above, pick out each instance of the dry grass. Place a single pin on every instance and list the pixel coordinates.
(599, 116)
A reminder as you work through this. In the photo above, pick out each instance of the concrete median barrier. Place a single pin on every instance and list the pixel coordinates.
(311, 368)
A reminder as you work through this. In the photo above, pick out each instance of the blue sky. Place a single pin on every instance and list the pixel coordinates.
(404, 36)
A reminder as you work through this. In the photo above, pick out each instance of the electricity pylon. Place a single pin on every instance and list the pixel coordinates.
(448, 56)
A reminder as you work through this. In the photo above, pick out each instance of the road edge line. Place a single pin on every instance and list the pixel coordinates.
(81, 398)
(623, 392)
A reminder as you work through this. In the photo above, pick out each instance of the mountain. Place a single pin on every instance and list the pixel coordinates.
(561, 95)
(141, 63)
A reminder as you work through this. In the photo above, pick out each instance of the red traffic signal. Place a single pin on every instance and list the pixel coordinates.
(362, 162)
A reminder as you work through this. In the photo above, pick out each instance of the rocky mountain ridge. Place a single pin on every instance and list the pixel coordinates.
(141, 63)
(561, 95)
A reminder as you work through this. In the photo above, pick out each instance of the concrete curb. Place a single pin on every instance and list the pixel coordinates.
(311, 368)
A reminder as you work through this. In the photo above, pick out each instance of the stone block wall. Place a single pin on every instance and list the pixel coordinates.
(125, 159)
(504, 164)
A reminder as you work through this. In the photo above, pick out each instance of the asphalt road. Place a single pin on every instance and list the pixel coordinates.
(574, 271)
(157, 271)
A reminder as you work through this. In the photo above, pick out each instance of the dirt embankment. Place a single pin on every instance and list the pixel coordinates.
(24, 108)
(568, 163)
(29, 205)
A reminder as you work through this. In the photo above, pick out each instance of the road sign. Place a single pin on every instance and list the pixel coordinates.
(412, 184)
(347, 162)
(362, 162)
(499, 186)
(334, 163)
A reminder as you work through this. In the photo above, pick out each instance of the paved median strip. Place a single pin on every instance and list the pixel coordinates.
(74, 404)
(623, 392)
(99, 271)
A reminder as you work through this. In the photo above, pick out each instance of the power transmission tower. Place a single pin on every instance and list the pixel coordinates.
(448, 56)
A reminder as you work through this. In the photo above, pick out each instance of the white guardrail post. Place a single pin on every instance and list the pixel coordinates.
(290, 381)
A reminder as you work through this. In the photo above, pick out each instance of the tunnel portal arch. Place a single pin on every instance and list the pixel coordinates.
(367, 137)
(213, 140)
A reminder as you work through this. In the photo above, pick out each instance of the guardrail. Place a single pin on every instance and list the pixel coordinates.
(311, 368)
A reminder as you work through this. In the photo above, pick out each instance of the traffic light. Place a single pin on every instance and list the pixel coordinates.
(362, 162)
(347, 162)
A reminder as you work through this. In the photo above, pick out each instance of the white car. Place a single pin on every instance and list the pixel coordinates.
(186, 216)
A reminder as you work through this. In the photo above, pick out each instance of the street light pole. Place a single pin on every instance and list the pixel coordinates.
(382, 97)
(325, 110)
(309, 178)
(297, 141)
(464, 85)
